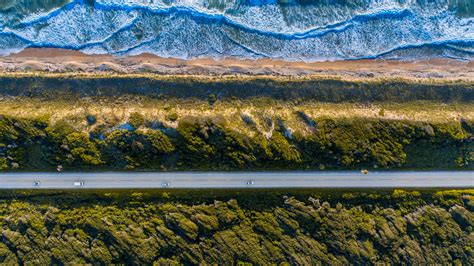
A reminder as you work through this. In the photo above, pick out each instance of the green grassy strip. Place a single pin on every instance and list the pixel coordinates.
(314, 89)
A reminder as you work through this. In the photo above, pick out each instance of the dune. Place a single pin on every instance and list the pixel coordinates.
(73, 61)
(75, 66)
(197, 70)
(109, 67)
(32, 65)
(147, 67)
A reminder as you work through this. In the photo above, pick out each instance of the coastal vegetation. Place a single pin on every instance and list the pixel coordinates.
(321, 89)
(174, 227)
(125, 121)
(170, 123)
(239, 141)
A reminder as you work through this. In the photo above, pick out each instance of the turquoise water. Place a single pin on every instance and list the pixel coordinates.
(308, 30)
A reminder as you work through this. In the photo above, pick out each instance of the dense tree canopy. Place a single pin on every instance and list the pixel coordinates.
(146, 227)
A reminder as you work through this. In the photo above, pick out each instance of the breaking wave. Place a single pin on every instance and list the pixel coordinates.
(307, 30)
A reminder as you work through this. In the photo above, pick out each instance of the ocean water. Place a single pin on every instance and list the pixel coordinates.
(307, 30)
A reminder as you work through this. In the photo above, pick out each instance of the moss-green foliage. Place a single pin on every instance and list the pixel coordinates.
(132, 149)
(283, 150)
(194, 138)
(380, 143)
(206, 143)
(304, 228)
(214, 143)
(212, 99)
(80, 150)
(22, 142)
(136, 120)
(172, 117)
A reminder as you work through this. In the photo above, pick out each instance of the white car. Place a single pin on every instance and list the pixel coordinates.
(165, 184)
(250, 182)
(79, 183)
(37, 183)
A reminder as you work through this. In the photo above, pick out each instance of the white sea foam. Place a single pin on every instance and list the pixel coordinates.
(248, 29)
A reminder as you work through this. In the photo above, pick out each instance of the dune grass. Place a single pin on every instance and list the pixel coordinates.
(120, 108)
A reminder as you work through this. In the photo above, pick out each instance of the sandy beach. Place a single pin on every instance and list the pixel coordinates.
(66, 61)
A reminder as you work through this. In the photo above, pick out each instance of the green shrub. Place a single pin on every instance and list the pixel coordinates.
(136, 120)
(160, 142)
(212, 99)
(214, 143)
(284, 227)
(172, 117)
(80, 150)
(3, 164)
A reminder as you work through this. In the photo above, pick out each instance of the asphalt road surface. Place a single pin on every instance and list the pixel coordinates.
(336, 179)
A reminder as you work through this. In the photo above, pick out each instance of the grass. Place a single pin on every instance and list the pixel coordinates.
(118, 109)
(213, 78)
(325, 89)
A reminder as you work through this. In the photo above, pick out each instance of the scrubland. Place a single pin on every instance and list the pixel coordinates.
(168, 123)
(139, 133)
(188, 227)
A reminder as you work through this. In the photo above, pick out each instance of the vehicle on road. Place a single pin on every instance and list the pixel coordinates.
(79, 183)
(165, 184)
(37, 183)
(364, 171)
(250, 182)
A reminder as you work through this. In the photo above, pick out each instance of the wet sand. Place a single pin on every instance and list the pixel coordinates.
(65, 61)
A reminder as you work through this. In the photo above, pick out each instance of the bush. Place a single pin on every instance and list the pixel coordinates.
(172, 117)
(80, 151)
(301, 227)
(136, 120)
(214, 143)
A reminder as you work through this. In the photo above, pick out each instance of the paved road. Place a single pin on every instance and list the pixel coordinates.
(239, 180)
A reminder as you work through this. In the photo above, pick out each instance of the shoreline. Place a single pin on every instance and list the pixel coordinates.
(59, 61)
